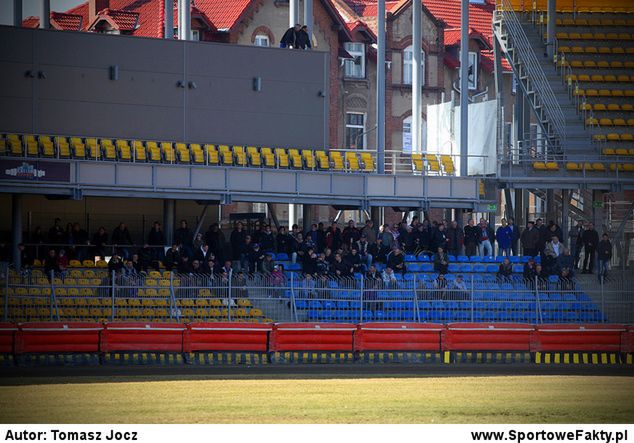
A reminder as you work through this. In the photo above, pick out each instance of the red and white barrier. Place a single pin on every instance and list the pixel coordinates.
(486, 337)
(160, 337)
(253, 337)
(567, 337)
(56, 337)
(7, 337)
(398, 337)
(627, 340)
(312, 337)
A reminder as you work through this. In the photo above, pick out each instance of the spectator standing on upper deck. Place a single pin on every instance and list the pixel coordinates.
(303, 39)
(290, 38)
(267, 239)
(183, 236)
(156, 238)
(333, 237)
(99, 240)
(604, 255)
(576, 243)
(369, 231)
(471, 238)
(237, 240)
(487, 237)
(121, 237)
(350, 235)
(530, 239)
(455, 239)
(56, 233)
(590, 239)
(441, 261)
(515, 236)
(504, 237)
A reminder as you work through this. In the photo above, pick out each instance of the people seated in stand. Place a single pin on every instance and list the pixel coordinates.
(441, 261)
(505, 270)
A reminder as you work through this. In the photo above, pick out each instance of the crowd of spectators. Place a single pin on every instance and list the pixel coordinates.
(325, 250)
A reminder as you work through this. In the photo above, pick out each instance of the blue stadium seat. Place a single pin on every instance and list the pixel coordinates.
(427, 267)
(466, 268)
(368, 315)
(526, 258)
(475, 259)
(553, 279)
(314, 304)
(492, 268)
(410, 258)
(518, 268)
(294, 267)
(379, 315)
(342, 304)
(301, 304)
(463, 259)
(414, 267)
(281, 256)
(328, 304)
(515, 259)
(452, 258)
(479, 268)
(313, 315)
(453, 267)
(499, 259)
(489, 259)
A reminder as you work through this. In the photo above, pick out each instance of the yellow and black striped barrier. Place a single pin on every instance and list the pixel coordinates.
(399, 357)
(486, 357)
(627, 358)
(71, 359)
(579, 358)
(227, 358)
(143, 358)
(312, 357)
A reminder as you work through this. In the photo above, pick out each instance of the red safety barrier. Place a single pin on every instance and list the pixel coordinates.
(312, 337)
(398, 337)
(562, 337)
(252, 337)
(7, 337)
(486, 337)
(162, 337)
(627, 340)
(53, 337)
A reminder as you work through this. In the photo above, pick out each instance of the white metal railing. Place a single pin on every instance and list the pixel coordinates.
(526, 58)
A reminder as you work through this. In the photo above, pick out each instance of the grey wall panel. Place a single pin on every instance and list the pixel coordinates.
(16, 114)
(16, 45)
(244, 179)
(314, 184)
(109, 120)
(216, 102)
(380, 185)
(99, 50)
(464, 188)
(208, 178)
(347, 184)
(172, 177)
(134, 175)
(273, 181)
(410, 187)
(439, 187)
(96, 173)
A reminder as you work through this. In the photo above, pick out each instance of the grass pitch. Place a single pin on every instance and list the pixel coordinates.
(503, 399)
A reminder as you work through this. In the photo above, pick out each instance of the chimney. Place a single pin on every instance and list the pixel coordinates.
(94, 6)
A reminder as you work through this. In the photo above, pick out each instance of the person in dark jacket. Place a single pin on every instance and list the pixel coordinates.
(543, 235)
(487, 238)
(554, 230)
(290, 38)
(422, 237)
(156, 238)
(354, 260)
(56, 233)
(283, 241)
(529, 269)
(340, 268)
(455, 238)
(576, 244)
(505, 271)
(565, 261)
(590, 240)
(50, 264)
(237, 240)
(515, 236)
(441, 261)
(215, 238)
(439, 238)
(184, 237)
(604, 255)
(333, 237)
(172, 257)
(379, 251)
(303, 39)
(396, 261)
(99, 241)
(530, 239)
(350, 235)
(267, 239)
(121, 236)
(471, 238)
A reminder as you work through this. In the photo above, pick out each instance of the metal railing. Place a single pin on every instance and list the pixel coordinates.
(412, 297)
(536, 81)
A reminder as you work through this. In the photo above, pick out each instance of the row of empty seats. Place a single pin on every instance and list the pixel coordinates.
(593, 22)
(615, 36)
(596, 50)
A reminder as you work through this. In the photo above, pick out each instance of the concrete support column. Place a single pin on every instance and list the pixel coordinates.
(551, 25)
(169, 206)
(417, 47)
(565, 209)
(45, 14)
(16, 228)
(550, 205)
(464, 88)
(380, 88)
(520, 210)
(307, 217)
(293, 12)
(308, 18)
(184, 20)
(168, 6)
(17, 13)
(376, 215)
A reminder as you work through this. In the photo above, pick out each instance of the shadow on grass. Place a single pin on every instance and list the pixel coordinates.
(21, 376)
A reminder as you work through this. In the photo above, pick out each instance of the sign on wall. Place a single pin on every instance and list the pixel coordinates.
(34, 170)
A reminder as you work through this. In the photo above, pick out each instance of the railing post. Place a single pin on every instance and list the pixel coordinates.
(293, 306)
(603, 316)
(472, 300)
(52, 297)
(361, 301)
(416, 310)
(112, 291)
(5, 271)
(229, 298)
(537, 307)
(172, 307)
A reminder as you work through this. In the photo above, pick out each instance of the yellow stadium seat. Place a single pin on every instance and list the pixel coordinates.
(213, 158)
(138, 148)
(93, 149)
(352, 161)
(621, 151)
(584, 78)
(368, 162)
(540, 166)
(109, 151)
(168, 152)
(47, 146)
(78, 147)
(337, 160)
(154, 152)
(612, 137)
(627, 137)
(605, 122)
(197, 154)
(608, 151)
(63, 147)
(612, 107)
(619, 122)
(240, 156)
(571, 166)
(182, 153)
(585, 107)
(596, 78)
(32, 149)
(124, 150)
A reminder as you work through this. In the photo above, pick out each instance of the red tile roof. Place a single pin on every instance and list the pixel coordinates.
(122, 20)
(453, 36)
(223, 13)
(150, 15)
(59, 20)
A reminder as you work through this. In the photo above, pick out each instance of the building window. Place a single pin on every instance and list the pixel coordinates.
(407, 136)
(355, 130)
(262, 40)
(196, 35)
(355, 68)
(408, 57)
(472, 77)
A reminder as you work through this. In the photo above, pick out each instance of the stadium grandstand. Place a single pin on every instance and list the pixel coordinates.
(171, 161)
